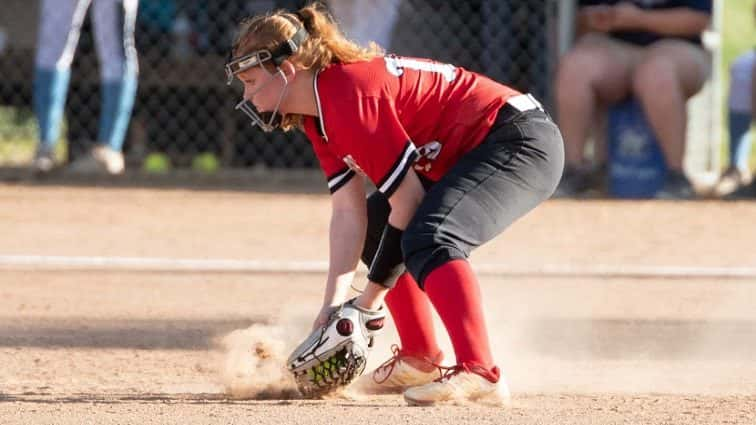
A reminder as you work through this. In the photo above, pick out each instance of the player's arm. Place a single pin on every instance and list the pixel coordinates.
(346, 239)
(592, 18)
(679, 21)
(390, 169)
(405, 200)
(348, 223)
(404, 203)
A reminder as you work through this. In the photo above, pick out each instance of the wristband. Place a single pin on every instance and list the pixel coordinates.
(387, 262)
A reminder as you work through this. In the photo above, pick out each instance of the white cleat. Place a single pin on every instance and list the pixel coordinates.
(44, 160)
(459, 386)
(397, 374)
(732, 179)
(101, 159)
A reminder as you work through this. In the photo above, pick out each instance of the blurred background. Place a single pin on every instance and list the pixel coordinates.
(183, 114)
(183, 105)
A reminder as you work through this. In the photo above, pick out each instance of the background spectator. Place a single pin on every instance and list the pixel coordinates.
(649, 50)
(366, 20)
(60, 26)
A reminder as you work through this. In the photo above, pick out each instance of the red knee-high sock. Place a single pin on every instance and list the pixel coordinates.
(412, 315)
(454, 291)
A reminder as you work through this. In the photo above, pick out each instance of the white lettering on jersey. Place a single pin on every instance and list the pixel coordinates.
(396, 64)
(352, 164)
(429, 150)
(427, 153)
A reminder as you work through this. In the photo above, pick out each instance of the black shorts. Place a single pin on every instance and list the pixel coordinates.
(516, 167)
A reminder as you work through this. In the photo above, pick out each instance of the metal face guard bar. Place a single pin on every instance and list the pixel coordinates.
(268, 121)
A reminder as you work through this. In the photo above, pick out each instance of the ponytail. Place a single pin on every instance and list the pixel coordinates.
(325, 45)
(328, 44)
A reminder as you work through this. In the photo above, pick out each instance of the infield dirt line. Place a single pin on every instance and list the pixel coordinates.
(164, 264)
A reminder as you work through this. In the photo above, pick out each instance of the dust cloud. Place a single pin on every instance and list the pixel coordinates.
(254, 364)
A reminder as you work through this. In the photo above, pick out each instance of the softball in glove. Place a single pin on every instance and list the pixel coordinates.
(334, 355)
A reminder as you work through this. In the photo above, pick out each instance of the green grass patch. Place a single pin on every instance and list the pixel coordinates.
(19, 136)
(738, 35)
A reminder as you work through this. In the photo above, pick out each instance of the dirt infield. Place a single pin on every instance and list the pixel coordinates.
(107, 346)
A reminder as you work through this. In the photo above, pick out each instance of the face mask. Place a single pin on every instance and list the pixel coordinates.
(267, 121)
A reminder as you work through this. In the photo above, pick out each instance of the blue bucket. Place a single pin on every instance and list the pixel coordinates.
(636, 162)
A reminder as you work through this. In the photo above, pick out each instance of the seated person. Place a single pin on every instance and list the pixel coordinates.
(649, 50)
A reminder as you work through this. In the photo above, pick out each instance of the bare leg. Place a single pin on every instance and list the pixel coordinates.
(669, 74)
(596, 71)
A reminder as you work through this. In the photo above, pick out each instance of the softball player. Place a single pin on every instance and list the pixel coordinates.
(60, 25)
(455, 158)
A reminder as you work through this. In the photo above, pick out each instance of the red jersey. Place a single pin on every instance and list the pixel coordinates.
(382, 116)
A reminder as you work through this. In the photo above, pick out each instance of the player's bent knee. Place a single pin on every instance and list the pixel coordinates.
(422, 255)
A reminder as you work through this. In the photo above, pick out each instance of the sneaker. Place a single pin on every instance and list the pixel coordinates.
(579, 181)
(676, 187)
(100, 159)
(744, 192)
(400, 372)
(732, 179)
(44, 160)
(460, 384)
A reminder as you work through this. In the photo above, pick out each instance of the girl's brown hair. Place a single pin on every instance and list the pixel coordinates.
(326, 44)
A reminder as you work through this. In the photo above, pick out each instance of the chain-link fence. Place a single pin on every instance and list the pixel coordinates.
(183, 107)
